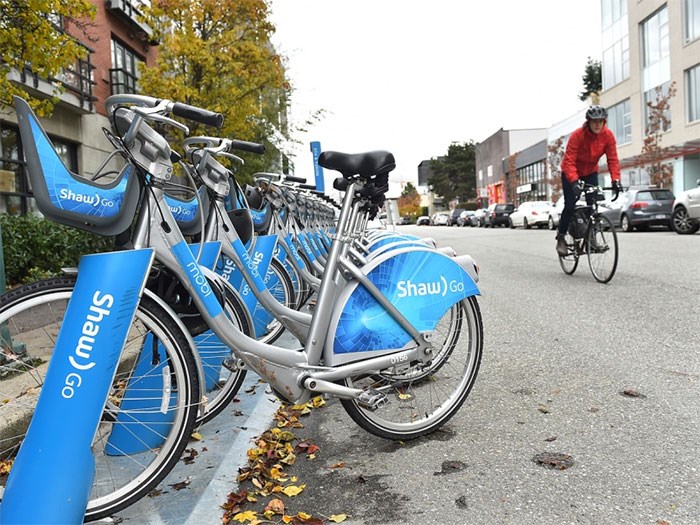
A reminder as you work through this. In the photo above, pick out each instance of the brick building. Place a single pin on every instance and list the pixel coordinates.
(117, 43)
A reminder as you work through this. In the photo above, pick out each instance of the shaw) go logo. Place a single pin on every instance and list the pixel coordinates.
(93, 200)
(408, 288)
(81, 358)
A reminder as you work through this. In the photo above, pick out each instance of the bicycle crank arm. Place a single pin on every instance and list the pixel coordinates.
(370, 399)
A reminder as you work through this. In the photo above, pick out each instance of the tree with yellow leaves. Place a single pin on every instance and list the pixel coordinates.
(216, 54)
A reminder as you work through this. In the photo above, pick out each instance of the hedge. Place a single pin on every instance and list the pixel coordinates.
(35, 248)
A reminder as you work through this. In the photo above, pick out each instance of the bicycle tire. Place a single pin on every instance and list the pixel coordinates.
(418, 404)
(283, 292)
(602, 248)
(569, 262)
(308, 289)
(32, 315)
(214, 354)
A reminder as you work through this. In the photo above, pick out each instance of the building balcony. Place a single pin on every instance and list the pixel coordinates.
(129, 10)
(76, 81)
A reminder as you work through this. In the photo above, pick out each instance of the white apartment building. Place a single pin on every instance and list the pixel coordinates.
(649, 44)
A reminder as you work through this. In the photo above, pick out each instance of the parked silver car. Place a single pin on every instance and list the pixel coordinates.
(685, 218)
(641, 208)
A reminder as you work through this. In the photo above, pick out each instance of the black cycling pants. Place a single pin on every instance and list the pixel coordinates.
(570, 200)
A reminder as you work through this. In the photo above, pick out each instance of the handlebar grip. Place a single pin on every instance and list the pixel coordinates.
(203, 116)
(292, 178)
(307, 186)
(252, 147)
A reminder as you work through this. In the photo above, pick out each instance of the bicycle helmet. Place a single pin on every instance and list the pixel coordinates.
(596, 112)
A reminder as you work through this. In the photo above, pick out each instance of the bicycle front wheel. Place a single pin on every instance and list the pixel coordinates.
(422, 399)
(569, 262)
(602, 248)
(151, 409)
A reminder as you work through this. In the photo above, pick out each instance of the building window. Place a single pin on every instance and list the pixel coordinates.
(15, 189)
(124, 75)
(656, 62)
(620, 122)
(616, 47)
(693, 93)
(692, 20)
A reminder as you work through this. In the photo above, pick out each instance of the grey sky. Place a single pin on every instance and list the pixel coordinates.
(412, 77)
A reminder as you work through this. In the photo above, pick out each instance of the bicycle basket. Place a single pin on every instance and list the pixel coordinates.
(66, 198)
(187, 213)
(579, 221)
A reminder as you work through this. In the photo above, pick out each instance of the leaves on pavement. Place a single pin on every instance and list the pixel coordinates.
(274, 450)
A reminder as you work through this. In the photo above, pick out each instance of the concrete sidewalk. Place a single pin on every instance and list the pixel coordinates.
(193, 493)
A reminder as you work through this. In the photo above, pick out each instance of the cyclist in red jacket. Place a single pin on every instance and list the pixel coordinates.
(583, 151)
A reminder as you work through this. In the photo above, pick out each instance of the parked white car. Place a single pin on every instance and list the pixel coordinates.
(529, 214)
(685, 218)
(555, 212)
(441, 219)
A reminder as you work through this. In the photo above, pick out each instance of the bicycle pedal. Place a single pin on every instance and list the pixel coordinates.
(372, 399)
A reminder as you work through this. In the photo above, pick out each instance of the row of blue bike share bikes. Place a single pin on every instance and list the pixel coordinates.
(106, 371)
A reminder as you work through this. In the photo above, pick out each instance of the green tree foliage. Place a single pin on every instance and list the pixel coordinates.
(454, 175)
(29, 37)
(409, 201)
(217, 54)
(592, 80)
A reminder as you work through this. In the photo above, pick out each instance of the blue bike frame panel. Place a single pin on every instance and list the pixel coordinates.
(77, 383)
(421, 284)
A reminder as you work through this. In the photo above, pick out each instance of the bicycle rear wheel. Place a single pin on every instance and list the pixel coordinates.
(569, 262)
(601, 248)
(221, 381)
(150, 412)
(420, 403)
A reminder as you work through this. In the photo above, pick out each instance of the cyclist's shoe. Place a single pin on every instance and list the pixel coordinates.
(562, 247)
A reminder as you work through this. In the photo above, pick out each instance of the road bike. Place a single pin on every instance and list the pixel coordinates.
(592, 234)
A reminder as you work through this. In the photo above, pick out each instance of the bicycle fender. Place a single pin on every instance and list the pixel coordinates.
(56, 449)
(421, 283)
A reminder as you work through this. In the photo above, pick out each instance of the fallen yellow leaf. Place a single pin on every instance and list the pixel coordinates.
(197, 436)
(293, 490)
(338, 518)
(248, 515)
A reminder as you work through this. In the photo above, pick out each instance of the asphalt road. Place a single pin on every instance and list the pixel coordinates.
(559, 353)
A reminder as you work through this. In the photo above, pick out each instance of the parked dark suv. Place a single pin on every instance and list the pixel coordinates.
(497, 214)
(454, 216)
(642, 207)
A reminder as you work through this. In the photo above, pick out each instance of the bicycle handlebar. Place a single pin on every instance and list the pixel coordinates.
(590, 188)
(292, 178)
(195, 114)
(243, 145)
(203, 116)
